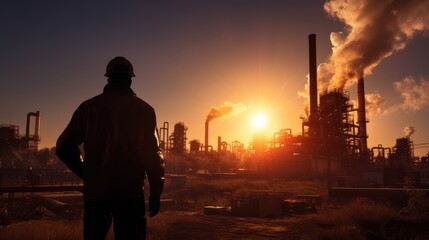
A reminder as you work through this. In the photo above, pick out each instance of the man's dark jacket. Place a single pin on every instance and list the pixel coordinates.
(120, 142)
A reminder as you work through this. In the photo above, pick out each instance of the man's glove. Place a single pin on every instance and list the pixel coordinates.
(154, 204)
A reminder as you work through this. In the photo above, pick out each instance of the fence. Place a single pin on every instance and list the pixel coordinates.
(53, 177)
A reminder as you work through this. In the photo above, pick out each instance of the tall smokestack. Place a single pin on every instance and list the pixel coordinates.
(219, 144)
(27, 128)
(313, 78)
(206, 137)
(362, 116)
(228, 109)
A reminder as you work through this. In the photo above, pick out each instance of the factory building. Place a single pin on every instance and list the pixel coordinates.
(333, 141)
(12, 145)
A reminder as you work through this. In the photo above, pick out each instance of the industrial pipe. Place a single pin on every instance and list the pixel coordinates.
(37, 124)
(164, 137)
(36, 135)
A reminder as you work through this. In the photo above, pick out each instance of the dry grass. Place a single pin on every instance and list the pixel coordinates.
(241, 184)
(353, 220)
(41, 229)
(340, 233)
(64, 230)
(300, 187)
(358, 211)
(204, 191)
(218, 191)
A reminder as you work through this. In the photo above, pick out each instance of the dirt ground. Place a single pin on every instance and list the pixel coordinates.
(180, 225)
(184, 218)
(172, 224)
(189, 225)
(195, 225)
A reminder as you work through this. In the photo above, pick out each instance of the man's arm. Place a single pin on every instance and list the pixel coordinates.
(154, 172)
(155, 168)
(67, 147)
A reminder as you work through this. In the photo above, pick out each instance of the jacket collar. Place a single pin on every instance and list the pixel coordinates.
(118, 88)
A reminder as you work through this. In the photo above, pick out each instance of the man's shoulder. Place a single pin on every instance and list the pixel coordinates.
(92, 100)
(143, 103)
(131, 101)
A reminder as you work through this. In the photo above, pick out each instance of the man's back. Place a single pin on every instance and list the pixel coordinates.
(118, 132)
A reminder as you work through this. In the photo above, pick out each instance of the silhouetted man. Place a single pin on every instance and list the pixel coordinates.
(120, 142)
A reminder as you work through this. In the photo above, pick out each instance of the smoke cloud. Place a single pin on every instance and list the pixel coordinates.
(409, 130)
(373, 103)
(305, 94)
(228, 109)
(374, 30)
(415, 95)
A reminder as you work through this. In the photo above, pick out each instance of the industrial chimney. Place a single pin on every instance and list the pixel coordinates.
(362, 117)
(219, 144)
(206, 137)
(313, 78)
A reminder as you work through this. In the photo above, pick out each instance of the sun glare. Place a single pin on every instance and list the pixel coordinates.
(259, 121)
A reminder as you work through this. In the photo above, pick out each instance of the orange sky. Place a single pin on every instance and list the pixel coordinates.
(189, 56)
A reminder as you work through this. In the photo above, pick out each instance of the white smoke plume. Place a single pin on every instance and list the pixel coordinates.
(409, 130)
(373, 103)
(375, 29)
(305, 94)
(228, 109)
(415, 95)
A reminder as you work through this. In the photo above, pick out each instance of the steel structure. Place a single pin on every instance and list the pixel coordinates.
(178, 139)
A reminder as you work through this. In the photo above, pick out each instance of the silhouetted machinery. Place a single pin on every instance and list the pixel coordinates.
(333, 140)
(400, 156)
(11, 142)
(178, 139)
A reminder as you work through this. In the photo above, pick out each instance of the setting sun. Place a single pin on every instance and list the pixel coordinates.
(259, 121)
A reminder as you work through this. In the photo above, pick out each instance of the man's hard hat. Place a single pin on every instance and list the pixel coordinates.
(119, 67)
